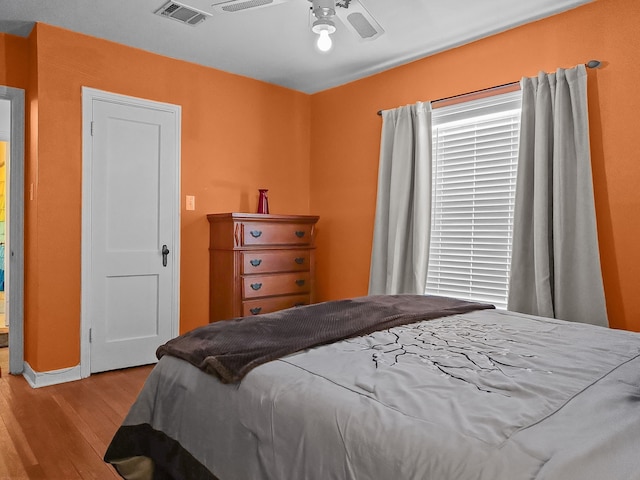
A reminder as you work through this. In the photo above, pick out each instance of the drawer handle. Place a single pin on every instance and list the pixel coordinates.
(299, 260)
(255, 233)
(299, 304)
(255, 262)
(300, 282)
(299, 233)
(256, 286)
(255, 311)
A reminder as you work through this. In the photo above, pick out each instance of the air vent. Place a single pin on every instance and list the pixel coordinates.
(181, 13)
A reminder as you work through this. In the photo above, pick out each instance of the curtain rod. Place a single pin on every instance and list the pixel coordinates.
(589, 64)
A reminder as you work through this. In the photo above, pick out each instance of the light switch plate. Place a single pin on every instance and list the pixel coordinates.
(191, 202)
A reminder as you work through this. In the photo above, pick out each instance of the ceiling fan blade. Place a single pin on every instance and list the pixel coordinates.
(358, 19)
(232, 6)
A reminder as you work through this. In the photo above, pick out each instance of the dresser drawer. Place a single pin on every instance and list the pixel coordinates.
(267, 261)
(273, 304)
(263, 233)
(254, 286)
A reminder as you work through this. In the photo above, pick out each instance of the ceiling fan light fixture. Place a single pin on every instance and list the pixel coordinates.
(323, 27)
(324, 42)
(323, 8)
(324, 11)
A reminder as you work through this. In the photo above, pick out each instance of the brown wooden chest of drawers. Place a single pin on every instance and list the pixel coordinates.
(260, 263)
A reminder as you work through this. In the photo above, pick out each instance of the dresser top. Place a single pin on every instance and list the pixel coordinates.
(221, 217)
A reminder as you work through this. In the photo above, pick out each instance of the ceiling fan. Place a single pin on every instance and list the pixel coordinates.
(351, 13)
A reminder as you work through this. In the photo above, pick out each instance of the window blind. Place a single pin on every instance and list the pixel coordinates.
(475, 150)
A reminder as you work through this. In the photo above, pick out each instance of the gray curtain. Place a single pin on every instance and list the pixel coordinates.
(402, 226)
(555, 266)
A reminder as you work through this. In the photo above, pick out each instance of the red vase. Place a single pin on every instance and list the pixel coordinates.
(263, 201)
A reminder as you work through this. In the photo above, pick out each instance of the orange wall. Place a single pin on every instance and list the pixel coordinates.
(344, 169)
(31, 281)
(238, 135)
(13, 54)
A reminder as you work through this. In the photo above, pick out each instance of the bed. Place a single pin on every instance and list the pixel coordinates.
(462, 392)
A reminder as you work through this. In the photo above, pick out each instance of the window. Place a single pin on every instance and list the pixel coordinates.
(475, 150)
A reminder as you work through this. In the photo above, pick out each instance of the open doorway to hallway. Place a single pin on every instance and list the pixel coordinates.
(14, 136)
(5, 136)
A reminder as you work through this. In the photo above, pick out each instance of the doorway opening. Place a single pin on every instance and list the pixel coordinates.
(5, 137)
(12, 127)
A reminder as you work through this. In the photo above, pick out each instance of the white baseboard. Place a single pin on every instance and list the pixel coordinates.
(52, 377)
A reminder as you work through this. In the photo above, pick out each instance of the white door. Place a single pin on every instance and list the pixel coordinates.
(134, 209)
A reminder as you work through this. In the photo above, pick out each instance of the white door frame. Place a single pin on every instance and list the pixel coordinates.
(88, 96)
(15, 254)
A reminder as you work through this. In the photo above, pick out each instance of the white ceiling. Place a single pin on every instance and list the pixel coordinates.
(274, 43)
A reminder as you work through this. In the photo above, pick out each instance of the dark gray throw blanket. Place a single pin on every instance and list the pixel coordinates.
(229, 349)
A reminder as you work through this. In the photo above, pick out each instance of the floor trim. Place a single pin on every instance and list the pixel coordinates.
(52, 377)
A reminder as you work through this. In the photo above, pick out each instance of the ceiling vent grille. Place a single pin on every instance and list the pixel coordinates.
(181, 13)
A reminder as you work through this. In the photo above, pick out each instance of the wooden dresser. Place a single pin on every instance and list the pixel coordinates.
(260, 263)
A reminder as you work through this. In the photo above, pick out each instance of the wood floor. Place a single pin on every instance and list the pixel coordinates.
(4, 361)
(62, 431)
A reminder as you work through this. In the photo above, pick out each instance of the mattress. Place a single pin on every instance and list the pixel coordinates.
(485, 395)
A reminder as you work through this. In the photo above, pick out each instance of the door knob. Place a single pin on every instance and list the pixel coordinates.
(165, 252)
